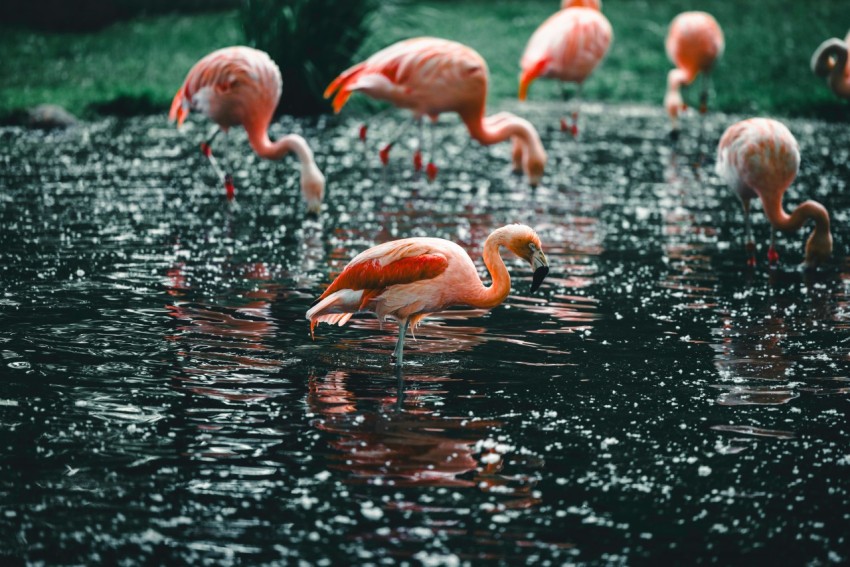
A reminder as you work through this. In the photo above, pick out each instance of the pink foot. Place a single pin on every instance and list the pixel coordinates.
(431, 171)
(229, 189)
(772, 255)
(362, 133)
(385, 154)
(564, 126)
(206, 149)
(417, 161)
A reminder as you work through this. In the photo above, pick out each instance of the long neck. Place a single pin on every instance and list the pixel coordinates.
(677, 78)
(265, 148)
(489, 297)
(808, 210)
(494, 131)
(837, 78)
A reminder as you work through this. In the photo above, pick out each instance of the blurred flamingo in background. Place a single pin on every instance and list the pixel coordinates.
(760, 158)
(430, 76)
(694, 44)
(830, 62)
(411, 278)
(568, 47)
(241, 86)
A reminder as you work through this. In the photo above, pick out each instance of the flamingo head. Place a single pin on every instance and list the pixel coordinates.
(524, 242)
(818, 248)
(534, 167)
(312, 187)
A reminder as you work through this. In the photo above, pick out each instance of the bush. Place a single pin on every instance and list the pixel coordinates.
(312, 41)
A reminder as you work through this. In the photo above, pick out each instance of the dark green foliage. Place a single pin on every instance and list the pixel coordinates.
(90, 15)
(312, 41)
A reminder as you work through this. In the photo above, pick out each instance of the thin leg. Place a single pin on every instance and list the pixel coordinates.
(703, 97)
(565, 97)
(751, 245)
(772, 254)
(577, 107)
(399, 397)
(385, 151)
(398, 353)
(417, 155)
(227, 179)
(431, 170)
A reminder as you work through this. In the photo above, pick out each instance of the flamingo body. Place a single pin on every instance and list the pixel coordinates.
(237, 86)
(830, 61)
(694, 44)
(568, 46)
(759, 158)
(430, 76)
(411, 278)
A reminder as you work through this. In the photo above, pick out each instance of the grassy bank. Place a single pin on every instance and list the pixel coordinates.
(137, 66)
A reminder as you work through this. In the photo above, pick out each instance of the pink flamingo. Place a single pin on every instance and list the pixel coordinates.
(760, 158)
(568, 47)
(830, 62)
(411, 278)
(430, 76)
(694, 44)
(241, 86)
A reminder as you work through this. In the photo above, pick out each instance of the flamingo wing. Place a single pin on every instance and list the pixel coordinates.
(398, 70)
(371, 273)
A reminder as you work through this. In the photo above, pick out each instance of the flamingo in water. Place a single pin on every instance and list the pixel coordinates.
(430, 76)
(694, 44)
(830, 62)
(411, 278)
(241, 86)
(568, 47)
(760, 158)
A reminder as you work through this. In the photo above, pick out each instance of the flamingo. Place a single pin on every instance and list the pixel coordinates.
(760, 158)
(568, 47)
(241, 86)
(430, 76)
(830, 61)
(411, 278)
(694, 44)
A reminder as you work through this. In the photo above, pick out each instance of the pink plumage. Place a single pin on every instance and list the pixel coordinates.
(759, 158)
(430, 76)
(411, 278)
(237, 86)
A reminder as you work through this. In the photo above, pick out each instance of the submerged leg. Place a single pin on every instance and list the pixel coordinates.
(772, 254)
(227, 179)
(398, 353)
(751, 245)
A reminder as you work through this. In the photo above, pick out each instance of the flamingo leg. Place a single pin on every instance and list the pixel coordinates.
(703, 97)
(227, 179)
(417, 155)
(398, 353)
(751, 245)
(772, 254)
(431, 170)
(385, 151)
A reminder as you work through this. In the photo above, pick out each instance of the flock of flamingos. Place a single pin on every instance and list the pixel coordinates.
(409, 279)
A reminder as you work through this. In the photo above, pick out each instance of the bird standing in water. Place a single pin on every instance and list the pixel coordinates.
(241, 86)
(411, 278)
(830, 61)
(760, 158)
(430, 76)
(568, 47)
(694, 44)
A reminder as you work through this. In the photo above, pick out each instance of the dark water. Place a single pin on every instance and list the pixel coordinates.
(657, 400)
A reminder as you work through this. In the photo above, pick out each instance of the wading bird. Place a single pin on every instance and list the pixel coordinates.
(830, 62)
(411, 278)
(694, 44)
(241, 86)
(430, 76)
(760, 158)
(568, 47)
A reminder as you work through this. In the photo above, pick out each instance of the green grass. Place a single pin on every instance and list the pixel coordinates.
(765, 69)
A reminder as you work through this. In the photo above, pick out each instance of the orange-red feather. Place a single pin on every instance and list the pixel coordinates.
(372, 277)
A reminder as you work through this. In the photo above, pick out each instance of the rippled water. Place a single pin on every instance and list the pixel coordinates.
(161, 399)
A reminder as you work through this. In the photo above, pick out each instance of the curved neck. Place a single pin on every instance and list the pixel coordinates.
(489, 297)
(265, 148)
(837, 76)
(808, 210)
(493, 131)
(677, 78)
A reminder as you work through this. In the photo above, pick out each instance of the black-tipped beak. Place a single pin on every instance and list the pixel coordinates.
(539, 275)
